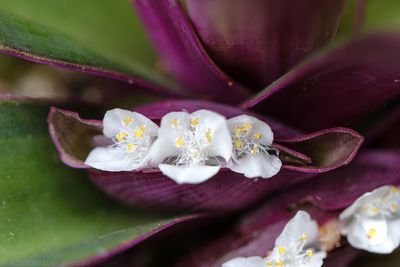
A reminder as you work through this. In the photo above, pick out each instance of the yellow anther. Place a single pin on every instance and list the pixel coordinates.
(246, 126)
(242, 129)
(269, 263)
(131, 148)
(374, 211)
(140, 131)
(309, 252)
(127, 121)
(279, 263)
(174, 123)
(238, 144)
(208, 136)
(238, 131)
(257, 136)
(371, 233)
(195, 121)
(179, 142)
(394, 207)
(255, 150)
(281, 250)
(121, 136)
(394, 190)
(303, 237)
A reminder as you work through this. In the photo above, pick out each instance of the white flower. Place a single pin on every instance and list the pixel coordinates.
(191, 147)
(372, 223)
(132, 134)
(295, 247)
(252, 139)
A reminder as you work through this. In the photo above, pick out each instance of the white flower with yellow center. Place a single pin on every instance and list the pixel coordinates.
(191, 147)
(132, 135)
(252, 152)
(296, 246)
(372, 223)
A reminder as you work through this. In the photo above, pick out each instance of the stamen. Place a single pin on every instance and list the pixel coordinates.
(208, 135)
(180, 142)
(257, 136)
(238, 144)
(140, 131)
(242, 129)
(194, 153)
(279, 263)
(304, 237)
(127, 121)
(131, 148)
(255, 150)
(281, 250)
(374, 211)
(394, 190)
(175, 123)
(195, 122)
(309, 252)
(193, 143)
(371, 233)
(121, 136)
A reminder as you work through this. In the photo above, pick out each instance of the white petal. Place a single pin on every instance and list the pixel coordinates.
(172, 127)
(112, 122)
(300, 224)
(316, 260)
(357, 236)
(257, 126)
(221, 142)
(245, 262)
(363, 200)
(189, 174)
(163, 148)
(140, 119)
(261, 165)
(111, 159)
(394, 232)
(175, 120)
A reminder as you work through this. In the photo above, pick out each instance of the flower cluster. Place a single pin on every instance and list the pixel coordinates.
(372, 223)
(296, 246)
(188, 148)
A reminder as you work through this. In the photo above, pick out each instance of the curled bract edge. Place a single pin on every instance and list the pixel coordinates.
(302, 156)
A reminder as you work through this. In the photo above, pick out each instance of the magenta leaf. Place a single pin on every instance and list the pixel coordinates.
(337, 87)
(178, 43)
(340, 188)
(256, 42)
(322, 196)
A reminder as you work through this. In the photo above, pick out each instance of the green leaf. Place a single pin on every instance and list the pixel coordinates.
(377, 16)
(382, 15)
(49, 212)
(111, 27)
(100, 34)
